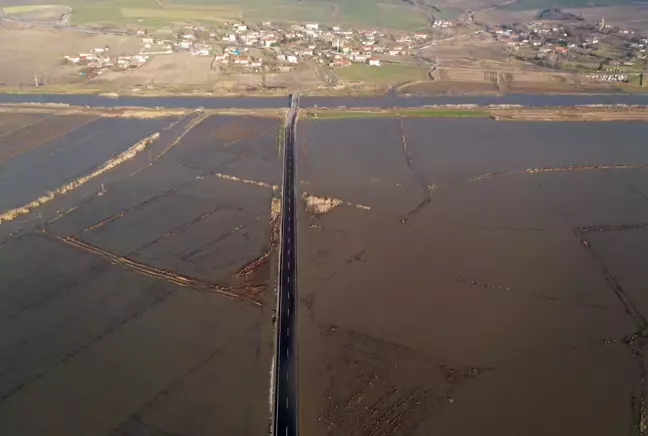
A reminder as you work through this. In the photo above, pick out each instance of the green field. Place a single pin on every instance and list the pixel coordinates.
(393, 14)
(524, 5)
(416, 113)
(26, 8)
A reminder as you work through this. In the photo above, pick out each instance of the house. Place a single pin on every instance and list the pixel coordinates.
(256, 64)
(420, 35)
(242, 60)
(341, 63)
(281, 57)
(203, 51)
(292, 59)
(241, 28)
(185, 44)
(374, 62)
(220, 57)
(312, 26)
(269, 40)
(148, 40)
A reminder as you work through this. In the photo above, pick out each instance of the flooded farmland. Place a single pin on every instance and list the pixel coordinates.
(468, 276)
(136, 274)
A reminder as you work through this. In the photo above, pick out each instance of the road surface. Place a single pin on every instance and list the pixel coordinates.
(285, 401)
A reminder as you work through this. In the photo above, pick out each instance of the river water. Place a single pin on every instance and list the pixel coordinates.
(389, 100)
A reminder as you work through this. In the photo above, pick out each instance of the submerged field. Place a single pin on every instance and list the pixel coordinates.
(468, 276)
(138, 301)
(457, 276)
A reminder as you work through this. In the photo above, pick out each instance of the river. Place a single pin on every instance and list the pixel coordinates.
(389, 100)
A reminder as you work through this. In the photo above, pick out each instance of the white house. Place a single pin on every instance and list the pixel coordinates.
(312, 26)
(374, 62)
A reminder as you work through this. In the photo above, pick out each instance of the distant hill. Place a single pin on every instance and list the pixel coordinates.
(556, 14)
(394, 14)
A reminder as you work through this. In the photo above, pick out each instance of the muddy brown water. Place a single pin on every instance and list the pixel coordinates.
(99, 337)
(507, 302)
(67, 157)
(480, 277)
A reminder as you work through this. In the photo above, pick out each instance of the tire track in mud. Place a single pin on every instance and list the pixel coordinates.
(528, 171)
(250, 294)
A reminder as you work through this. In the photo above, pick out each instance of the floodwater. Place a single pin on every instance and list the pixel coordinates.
(494, 287)
(141, 302)
(56, 160)
(389, 100)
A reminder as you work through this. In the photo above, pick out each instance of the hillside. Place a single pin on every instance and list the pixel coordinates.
(395, 14)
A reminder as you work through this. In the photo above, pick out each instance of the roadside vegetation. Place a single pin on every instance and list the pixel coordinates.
(421, 113)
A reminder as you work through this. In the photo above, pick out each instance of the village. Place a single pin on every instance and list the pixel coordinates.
(266, 47)
(591, 52)
(600, 52)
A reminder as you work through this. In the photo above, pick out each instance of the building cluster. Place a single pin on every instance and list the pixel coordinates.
(237, 46)
(552, 38)
(442, 24)
(98, 58)
(609, 78)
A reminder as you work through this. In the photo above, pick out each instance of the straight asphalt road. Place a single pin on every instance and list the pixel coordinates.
(285, 406)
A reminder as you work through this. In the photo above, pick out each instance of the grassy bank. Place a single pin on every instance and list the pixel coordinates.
(420, 113)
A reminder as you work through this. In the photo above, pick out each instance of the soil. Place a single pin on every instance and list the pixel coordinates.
(571, 114)
(28, 50)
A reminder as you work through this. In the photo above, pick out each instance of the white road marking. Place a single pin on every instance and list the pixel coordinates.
(287, 331)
